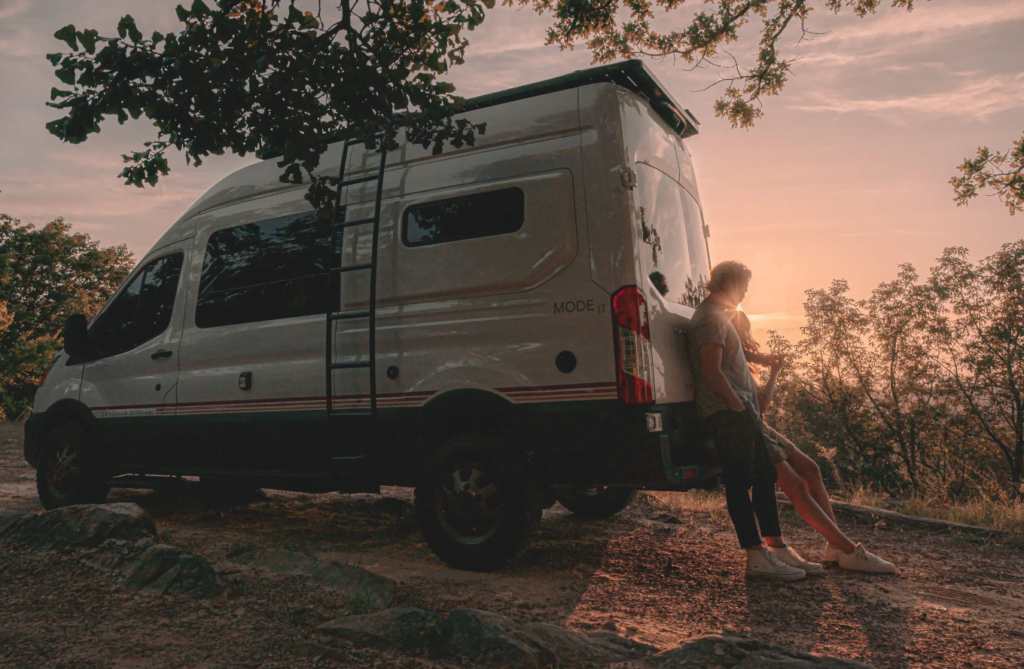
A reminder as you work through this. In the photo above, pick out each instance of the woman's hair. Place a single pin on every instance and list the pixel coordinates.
(726, 273)
(741, 322)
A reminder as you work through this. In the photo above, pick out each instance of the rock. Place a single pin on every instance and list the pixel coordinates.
(666, 519)
(731, 651)
(484, 639)
(163, 569)
(369, 592)
(80, 526)
(404, 628)
(492, 640)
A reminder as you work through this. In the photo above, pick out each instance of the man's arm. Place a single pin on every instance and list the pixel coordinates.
(711, 369)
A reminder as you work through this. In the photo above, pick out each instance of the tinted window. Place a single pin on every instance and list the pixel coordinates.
(497, 212)
(141, 311)
(672, 230)
(264, 271)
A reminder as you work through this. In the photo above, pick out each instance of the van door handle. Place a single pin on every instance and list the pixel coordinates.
(162, 354)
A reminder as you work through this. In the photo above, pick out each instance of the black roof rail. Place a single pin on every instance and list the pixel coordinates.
(632, 75)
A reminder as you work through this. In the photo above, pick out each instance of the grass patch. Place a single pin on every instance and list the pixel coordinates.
(999, 514)
(693, 500)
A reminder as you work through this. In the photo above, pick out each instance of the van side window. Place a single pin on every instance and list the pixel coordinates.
(141, 311)
(496, 212)
(264, 271)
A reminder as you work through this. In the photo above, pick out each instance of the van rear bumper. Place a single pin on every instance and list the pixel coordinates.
(611, 444)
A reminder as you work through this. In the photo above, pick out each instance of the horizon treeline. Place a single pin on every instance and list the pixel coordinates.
(917, 390)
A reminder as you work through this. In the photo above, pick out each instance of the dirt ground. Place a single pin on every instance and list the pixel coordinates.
(958, 601)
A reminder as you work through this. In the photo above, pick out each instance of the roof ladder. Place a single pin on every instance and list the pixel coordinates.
(338, 227)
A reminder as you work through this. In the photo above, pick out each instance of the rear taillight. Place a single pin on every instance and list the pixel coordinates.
(632, 346)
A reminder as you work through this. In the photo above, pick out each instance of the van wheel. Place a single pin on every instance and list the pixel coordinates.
(67, 473)
(600, 502)
(475, 505)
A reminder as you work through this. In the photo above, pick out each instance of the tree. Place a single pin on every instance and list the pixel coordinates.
(257, 74)
(981, 332)
(1002, 173)
(597, 24)
(46, 274)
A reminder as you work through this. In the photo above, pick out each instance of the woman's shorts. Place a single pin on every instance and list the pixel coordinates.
(779, 448)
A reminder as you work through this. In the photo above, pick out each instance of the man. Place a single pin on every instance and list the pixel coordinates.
(727, 403)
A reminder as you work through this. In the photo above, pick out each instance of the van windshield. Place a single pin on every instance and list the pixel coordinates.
(672, 229)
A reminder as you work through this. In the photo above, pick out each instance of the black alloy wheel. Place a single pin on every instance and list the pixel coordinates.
(475, 505)
(67, 473)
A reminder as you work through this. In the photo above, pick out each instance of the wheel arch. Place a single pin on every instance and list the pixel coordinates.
(467, 410)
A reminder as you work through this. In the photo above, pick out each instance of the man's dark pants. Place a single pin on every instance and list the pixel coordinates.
(748, 474)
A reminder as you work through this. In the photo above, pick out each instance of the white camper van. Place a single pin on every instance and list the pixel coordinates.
(497, 325)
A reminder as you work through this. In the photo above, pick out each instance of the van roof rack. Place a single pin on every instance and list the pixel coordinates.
(630, 74)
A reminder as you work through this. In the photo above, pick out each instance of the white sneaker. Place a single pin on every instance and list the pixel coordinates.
(861, 560)
(831, 553)
(762, 563)
(793, 559)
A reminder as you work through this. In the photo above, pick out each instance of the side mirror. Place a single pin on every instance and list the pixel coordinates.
(76, 335)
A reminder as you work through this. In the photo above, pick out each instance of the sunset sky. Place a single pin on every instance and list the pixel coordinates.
(846, 176)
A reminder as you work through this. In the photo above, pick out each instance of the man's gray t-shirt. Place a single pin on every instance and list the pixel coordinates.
(710, 325)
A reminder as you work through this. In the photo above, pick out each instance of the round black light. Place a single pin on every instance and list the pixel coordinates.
(565, 362)
(392, 372)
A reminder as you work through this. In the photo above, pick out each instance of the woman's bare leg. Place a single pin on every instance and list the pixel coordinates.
(799, 492)
(808, 470)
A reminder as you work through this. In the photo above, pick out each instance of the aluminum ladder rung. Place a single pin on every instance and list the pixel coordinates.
(358, 180)
(349, 365)
(352, 268)
(341, 225)
(347, 315)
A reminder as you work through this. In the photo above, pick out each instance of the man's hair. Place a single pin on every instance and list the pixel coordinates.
(726, 273)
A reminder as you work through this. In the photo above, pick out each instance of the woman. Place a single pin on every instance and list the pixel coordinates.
(800, 477)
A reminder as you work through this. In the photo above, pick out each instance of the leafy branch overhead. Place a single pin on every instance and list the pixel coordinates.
(614, 29)
(246, 75)
(1002, 173)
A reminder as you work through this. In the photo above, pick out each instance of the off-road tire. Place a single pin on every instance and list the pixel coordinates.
(68, 472)
(475, 503)
(596, 502)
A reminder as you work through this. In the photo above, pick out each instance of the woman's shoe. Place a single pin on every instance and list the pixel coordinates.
(762, 563)
(861, 560)
(793, 559)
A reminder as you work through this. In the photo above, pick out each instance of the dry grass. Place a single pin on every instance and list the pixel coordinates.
(694, 500)
(999, 514)
(1006, 516)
